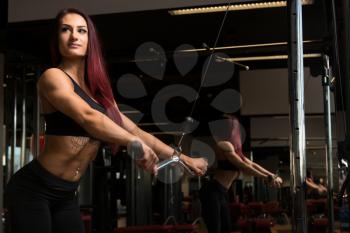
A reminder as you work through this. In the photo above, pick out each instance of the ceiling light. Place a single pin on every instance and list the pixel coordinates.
(240, 46)
(266, 58)
(235, 7)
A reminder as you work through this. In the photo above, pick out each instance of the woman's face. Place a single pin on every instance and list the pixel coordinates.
(73, 36)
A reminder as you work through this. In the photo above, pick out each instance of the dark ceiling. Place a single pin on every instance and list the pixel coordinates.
(123, 33)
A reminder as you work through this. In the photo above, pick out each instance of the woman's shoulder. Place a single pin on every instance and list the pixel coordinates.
(225, 146)
(53, 77)
(51, 72)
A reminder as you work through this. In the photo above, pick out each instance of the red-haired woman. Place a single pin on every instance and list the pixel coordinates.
(314, 190)
(230, 162)
(80, 112)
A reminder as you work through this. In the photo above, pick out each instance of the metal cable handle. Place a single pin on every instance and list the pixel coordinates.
(175, 158)
(135, 150)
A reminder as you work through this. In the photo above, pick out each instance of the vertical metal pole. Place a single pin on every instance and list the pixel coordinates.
(252, 177)
(344, 35)
(166, 200)
(328, 133)
(172, 197)
(23, 135)
(11, 163)
(345, 86)
(2, 134)
(36, 124)
(297, 117)
(131, 203)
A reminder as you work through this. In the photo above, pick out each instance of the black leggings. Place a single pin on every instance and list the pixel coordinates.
(215, 207)
(39, 202)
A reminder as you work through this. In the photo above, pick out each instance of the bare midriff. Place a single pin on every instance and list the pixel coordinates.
(67, 157)
(226, 178)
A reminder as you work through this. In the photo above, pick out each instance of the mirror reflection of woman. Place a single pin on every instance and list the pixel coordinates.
(230, 163)
(314, 190)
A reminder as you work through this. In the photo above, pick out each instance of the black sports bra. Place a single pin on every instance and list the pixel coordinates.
(60, 124)
(226, 165)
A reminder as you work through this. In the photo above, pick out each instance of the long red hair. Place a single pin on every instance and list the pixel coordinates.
(235, 137)
(96, 76)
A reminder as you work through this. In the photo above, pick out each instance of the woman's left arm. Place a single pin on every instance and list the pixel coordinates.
(198, 165)
(276, 179)
(259, 168)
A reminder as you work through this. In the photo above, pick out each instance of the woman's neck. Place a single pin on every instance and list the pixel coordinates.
(75, 68)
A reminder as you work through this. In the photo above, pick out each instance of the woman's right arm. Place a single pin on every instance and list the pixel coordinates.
(57, 89)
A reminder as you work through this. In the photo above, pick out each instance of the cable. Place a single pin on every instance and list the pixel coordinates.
(207, 66)
(337, 63)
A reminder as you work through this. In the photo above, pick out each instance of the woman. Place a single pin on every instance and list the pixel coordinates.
(230, 162)
(314, 190)
(80, 113)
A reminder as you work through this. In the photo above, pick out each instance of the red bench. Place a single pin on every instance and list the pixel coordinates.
(166, 227)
